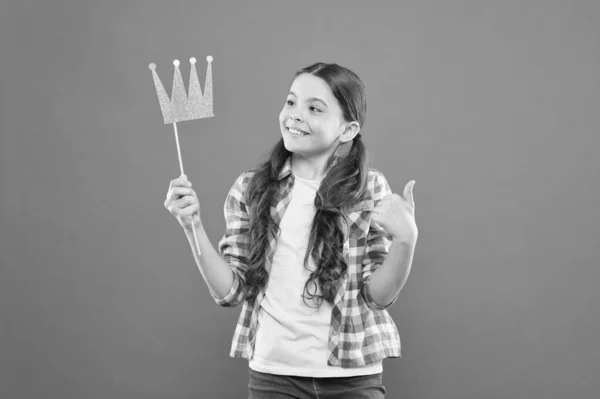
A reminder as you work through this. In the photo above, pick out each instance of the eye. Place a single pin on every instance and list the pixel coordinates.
(289, 102)
(313, 108)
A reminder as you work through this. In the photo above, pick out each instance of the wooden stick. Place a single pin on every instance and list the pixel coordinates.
(181, 167)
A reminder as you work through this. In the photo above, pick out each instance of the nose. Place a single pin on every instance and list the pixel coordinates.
(295, 118)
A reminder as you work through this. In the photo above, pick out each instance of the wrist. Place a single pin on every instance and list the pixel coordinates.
(189, 231)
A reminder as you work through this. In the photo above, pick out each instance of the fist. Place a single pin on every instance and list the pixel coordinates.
(182, 202)
(396, 215)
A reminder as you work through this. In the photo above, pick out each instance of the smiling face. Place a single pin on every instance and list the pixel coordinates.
(312, 109)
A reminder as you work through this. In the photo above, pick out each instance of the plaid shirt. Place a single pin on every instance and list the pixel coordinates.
(361, 332)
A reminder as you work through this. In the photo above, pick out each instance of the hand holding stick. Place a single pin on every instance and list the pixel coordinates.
(181, 168)
(184, 107)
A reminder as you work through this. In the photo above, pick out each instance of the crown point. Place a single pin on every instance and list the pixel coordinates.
(209, 58)
(193, 60)
(176, 63)
(152, 66)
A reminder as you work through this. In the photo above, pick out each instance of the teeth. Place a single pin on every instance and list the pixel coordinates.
(296, 132)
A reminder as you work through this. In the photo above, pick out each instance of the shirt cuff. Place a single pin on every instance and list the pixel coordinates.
(228, 300)
(369, 299)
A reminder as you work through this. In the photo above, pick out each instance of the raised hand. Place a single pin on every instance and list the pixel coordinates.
(396, 215)
(183, 203)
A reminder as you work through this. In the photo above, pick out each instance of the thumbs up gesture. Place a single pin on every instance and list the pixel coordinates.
(396, 215)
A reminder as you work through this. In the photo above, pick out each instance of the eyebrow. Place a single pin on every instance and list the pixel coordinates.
(311, 98)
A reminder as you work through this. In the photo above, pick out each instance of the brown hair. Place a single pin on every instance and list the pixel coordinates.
(343, 185)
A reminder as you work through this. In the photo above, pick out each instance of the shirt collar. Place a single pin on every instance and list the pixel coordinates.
(286, 170)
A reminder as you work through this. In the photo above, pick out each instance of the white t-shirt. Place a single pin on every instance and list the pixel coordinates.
(291, 337)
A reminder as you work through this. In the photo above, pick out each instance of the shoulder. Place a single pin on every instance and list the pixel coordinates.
(239, 186)
(376, 175)
(241, 183)
(378, 184)
(244, 178)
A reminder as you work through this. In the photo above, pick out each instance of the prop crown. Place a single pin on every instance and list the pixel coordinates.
(183, 107)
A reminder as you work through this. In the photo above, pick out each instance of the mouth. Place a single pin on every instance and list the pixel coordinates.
(296, 132)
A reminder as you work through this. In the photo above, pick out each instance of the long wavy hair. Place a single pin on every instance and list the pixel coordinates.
(343, 185)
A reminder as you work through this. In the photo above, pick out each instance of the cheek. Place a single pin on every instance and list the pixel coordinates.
(335, 127)
(282, 116)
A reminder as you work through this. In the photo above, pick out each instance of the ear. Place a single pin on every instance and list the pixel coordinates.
(351, 129)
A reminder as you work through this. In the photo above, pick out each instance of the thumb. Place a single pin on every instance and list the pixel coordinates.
(408, 193)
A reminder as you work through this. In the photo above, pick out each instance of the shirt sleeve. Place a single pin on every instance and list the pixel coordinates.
(234, 247)
(378, 244)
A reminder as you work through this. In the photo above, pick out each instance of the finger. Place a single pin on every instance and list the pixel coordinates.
(185, 180)
(190, 209)
(179, 192)
(185, 201)
(182, 190)
(175, 206)
(408, 193)
(180, 182)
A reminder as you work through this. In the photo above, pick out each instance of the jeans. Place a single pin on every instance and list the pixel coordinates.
(271, 386)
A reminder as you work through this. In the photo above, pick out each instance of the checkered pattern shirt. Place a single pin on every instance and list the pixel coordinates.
(361, 332)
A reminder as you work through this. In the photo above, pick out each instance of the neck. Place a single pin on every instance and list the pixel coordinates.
(308, 168)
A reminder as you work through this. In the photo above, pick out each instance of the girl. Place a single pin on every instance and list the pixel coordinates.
(316, 248)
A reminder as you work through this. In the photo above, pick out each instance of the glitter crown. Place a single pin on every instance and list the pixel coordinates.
(183, 107)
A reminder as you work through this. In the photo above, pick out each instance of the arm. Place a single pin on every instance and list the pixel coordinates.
(223, 270)
(389, 278)
(387, 260)
(214, 269)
